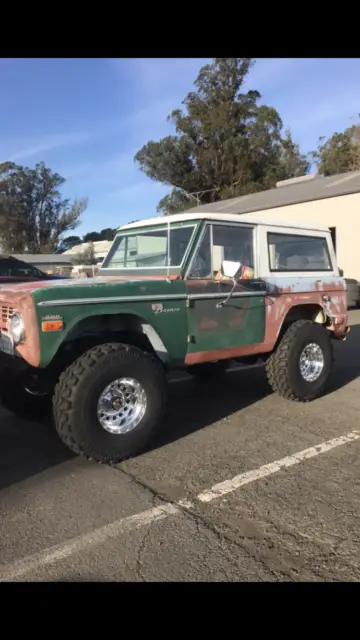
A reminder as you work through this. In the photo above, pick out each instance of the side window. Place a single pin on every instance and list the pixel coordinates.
(298, 253)
(232, 243)
(201, 266)
(228, 243)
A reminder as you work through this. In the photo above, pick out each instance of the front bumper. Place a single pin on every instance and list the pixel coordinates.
(6, 344)
(343, 335)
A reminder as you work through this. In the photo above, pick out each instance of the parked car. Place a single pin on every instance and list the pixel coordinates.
(13, 270)
(353, 293)
(194, 291)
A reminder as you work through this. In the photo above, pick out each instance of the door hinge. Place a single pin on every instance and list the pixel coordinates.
(191, 339)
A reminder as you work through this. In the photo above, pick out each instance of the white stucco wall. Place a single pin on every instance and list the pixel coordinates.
(342, 212)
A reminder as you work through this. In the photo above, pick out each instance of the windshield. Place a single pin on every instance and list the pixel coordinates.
(145, 248)
(10, 268)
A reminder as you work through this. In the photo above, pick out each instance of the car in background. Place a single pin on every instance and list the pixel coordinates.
(353, 293)
(14, 271)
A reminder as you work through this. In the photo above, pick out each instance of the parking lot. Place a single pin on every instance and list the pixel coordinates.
(239, 485)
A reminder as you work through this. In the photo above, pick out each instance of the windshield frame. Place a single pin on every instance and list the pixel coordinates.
(157, 270)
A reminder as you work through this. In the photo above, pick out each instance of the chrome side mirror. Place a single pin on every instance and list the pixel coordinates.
(230, 269)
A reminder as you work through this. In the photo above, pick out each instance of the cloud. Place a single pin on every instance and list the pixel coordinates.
(134, 202)
(338, 105)
(267, 71)
(49, 143)
(154, 76)
(117, 171)
(139, 188)
(157, 87)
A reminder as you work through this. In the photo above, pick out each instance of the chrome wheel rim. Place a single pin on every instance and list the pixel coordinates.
(121, 406)
(311, 362)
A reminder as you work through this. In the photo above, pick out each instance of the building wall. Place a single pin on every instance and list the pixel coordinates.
(342, 212)
(54, 268)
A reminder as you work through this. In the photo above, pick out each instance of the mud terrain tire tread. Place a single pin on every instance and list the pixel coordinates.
(66, 401)
(282, 359)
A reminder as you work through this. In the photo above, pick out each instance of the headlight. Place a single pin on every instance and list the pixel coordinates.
(17, 328)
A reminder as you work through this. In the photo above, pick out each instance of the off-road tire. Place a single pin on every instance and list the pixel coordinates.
(15, 398)
(77, 392)
(209, 370)
(282, 367)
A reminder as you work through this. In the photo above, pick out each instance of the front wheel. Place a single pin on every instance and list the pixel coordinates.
(300, 366)
(109, 402)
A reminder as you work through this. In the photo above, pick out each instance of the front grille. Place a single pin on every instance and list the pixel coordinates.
(5, 314)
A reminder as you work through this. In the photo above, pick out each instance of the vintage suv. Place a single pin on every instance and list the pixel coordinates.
(190, 291)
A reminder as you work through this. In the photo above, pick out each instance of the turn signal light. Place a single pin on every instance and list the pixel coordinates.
(52, 325)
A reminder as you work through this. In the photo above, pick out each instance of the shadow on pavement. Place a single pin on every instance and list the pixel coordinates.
(196, 404)
(27, 449)
(347, 361)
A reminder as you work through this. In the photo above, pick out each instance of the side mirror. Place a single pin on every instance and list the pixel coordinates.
(230, 269)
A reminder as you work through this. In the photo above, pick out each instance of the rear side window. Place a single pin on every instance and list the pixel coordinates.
(298, 253)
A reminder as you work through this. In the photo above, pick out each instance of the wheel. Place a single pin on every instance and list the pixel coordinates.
(300, 366)
(22, 401)
(208, 370)
(109, 402)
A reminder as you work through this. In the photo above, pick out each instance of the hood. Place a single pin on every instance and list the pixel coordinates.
(30, 287)
(4, 280)
(89, 288)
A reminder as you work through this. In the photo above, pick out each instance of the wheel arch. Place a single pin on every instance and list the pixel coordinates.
(305, 311)
(115, 327)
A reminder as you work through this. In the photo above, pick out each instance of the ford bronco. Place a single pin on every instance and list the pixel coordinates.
(192, 291)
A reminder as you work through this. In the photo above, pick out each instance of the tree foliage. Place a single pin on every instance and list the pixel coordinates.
(96, 236)
(69, 242)
(339, 153)
(87, 256)
(33, 214)
(226, 142)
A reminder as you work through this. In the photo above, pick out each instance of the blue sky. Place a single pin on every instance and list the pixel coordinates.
(86, 118)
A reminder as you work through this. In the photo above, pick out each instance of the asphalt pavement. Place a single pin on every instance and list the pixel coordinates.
(238, 485)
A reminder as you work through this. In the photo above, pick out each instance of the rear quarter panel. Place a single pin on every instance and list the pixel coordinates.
(286, 290)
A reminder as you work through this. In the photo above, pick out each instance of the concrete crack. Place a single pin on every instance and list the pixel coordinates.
(197, 518)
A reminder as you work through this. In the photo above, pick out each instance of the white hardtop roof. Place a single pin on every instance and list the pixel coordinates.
(222, 217)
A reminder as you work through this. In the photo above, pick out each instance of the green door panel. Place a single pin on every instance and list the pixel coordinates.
(241, 322)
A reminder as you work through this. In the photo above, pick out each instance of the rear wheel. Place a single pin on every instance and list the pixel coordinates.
(209, 370)
(301, 365)
(109, 402)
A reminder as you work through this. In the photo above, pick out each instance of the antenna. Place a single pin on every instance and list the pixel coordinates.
(196, 195)
(168, 250)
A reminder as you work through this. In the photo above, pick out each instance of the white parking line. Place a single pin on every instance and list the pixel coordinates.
(98, 536)
(228, 486)
(59, 552)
